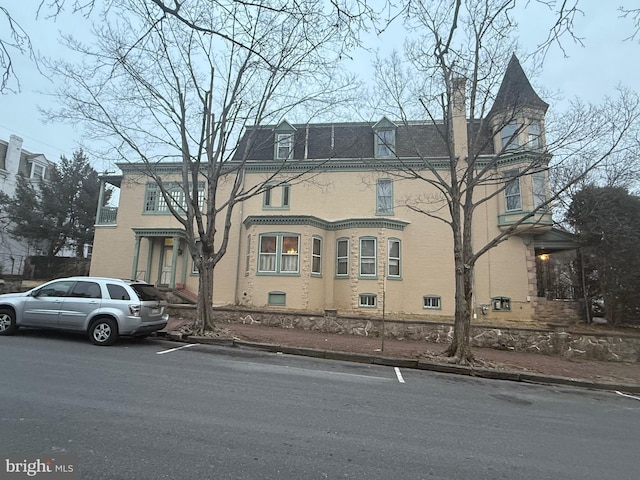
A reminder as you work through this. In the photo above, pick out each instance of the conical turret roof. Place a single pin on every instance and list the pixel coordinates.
(516, 92)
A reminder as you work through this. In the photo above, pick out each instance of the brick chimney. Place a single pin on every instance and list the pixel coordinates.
(14, 151)
(458, 98)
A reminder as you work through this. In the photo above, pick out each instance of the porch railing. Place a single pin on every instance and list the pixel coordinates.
(107, 216)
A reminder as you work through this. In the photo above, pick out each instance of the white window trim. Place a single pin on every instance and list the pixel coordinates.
(384, 147)
(315, 256)
(512, 177)
(510, 136)
(435, 302)
(361, 257)
(390, 258)
(534, 133)
(279, 255)
(345, 259)
(367, 296)
(382, 209)
(539, 188)
(284, 140)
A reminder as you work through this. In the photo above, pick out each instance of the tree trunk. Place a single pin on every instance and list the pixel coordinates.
(460, 348)
(204, 311)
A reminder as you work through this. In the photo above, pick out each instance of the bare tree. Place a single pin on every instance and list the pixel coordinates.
(462, 50)
(180, 94)
(350, 17)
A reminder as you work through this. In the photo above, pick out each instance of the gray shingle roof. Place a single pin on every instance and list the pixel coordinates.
(350, 141)
(516, 92)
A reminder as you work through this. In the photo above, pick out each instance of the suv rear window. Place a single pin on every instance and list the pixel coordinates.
(117, 292)
(146, 292)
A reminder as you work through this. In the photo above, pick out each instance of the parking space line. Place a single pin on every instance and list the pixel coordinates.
(399, 375)
(177, 348)
(627, 395)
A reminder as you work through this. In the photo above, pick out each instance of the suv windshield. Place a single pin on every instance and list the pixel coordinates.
(146, 292)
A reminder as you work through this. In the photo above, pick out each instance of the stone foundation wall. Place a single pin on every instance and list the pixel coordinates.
(561, 340)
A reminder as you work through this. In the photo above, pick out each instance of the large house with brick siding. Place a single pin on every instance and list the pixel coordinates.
(339, 237)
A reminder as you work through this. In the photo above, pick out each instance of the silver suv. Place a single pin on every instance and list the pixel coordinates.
(105, 308)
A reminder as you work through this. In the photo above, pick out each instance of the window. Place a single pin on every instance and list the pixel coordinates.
(151, 199)
(539, 190)
(248, 256)
(384, 197)
(290, 253)
(286, 189)
(535, 135)
(270, 198)
(342, 257)
(512, 190)
(284, 146)
(368, 300)
(117, 292)
(316, 255)
(55, 289)
(385, 143)
(37, 171)
(368, 257)
(432, 302)
(509, 136)
(394, 258)
(154, 201)
(278, 254)
(86, 290)
(277, 298)
(267, 197)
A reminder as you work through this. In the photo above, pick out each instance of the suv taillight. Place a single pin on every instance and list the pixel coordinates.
(135, 310)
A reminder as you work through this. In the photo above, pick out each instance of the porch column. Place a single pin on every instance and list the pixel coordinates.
(147, 274)
(174, 261)
(136, 255)
(100, 200)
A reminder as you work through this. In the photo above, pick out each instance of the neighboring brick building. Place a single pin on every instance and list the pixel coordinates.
(341, 239)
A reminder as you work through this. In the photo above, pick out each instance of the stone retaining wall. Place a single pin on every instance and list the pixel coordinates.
(561, 340)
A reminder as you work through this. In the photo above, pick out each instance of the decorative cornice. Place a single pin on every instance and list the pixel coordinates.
(338, 164)
(327, 225)
(159, 232)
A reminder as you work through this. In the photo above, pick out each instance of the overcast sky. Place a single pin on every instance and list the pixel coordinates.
(590, 72)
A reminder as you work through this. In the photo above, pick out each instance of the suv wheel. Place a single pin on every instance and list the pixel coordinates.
(103, 331)
(7, 322)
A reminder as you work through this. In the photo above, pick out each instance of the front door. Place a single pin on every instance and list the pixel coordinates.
(167, 263)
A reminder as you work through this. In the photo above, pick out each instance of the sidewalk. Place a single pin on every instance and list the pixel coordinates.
(500, 364)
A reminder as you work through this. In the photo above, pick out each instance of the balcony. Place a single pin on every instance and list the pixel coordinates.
(107, 216)
(539, 222)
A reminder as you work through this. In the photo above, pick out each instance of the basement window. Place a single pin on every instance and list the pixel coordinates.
(277, 298)
(368, 300)
(431, 302)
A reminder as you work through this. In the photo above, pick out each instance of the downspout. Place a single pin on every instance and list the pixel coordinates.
(239, 257)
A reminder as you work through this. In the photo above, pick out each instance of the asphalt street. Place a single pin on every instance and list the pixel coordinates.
(154, 409)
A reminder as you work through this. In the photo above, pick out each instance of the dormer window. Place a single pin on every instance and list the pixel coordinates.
(384, 136)
(385, 143)
(37, 171)
(284, 146)
(283, 140)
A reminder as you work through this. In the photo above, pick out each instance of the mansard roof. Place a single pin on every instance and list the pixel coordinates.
(516, 91)
(355, 140)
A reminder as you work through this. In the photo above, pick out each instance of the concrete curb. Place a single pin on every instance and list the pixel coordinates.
(513, 376)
